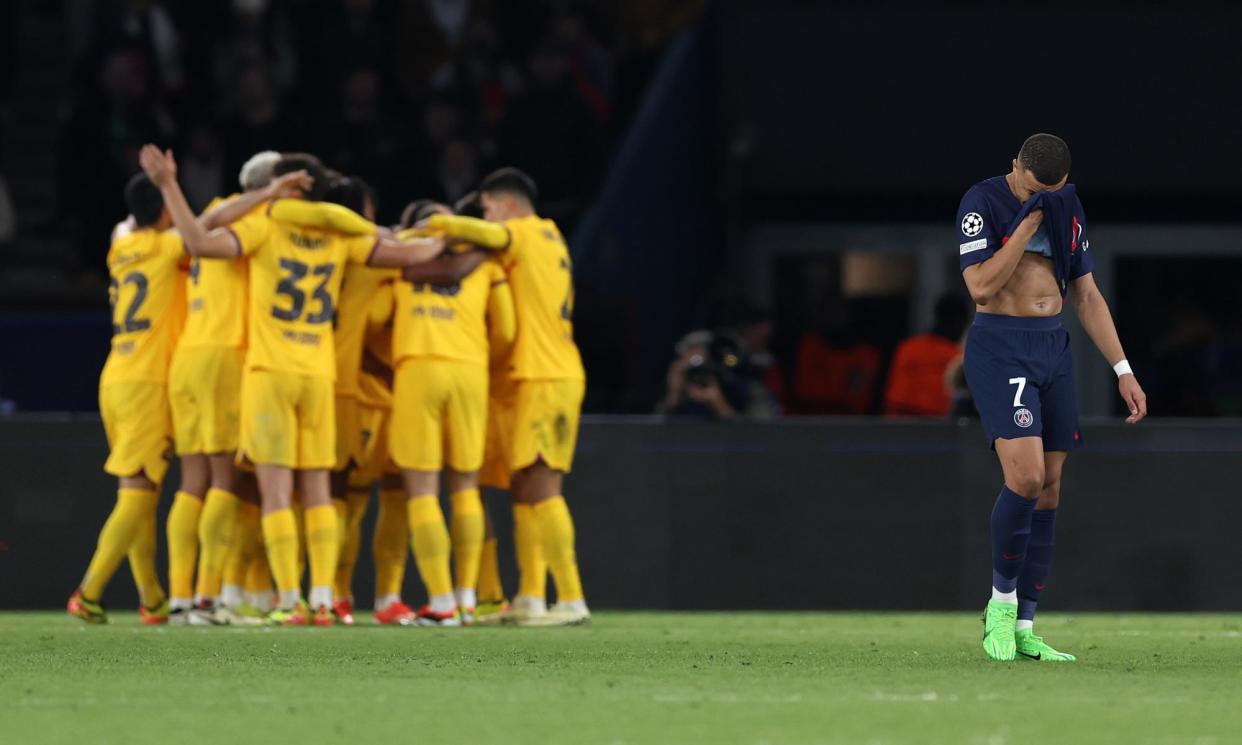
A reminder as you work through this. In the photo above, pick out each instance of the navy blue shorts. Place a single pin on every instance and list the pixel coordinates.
(1021, 376)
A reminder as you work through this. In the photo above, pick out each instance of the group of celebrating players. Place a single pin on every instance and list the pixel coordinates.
(297, 356)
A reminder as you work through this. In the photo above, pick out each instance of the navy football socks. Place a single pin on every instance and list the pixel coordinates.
(1034, 575)
(1011, 531)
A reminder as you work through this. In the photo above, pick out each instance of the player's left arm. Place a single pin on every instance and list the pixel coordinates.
(447, 270)
(229, 212)
(1097, 321)
(161, 168)
(395, 253)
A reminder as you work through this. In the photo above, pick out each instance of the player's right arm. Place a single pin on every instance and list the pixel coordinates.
(162, 170)
(228, 212)
(987, 265)
(481, 233)
(501, 312)
(447, 270)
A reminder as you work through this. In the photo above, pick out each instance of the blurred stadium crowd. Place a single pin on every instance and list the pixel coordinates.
(421, 97)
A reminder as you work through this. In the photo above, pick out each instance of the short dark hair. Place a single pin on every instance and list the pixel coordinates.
(509, 180)
(469, 206)
(351, 192)
(144, 200)
(290, 162)
(417, 211)
(1047, 157)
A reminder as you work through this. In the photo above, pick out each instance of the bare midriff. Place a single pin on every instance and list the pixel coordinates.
(1031, 291)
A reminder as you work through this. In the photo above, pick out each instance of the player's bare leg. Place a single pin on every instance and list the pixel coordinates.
(466, 531)
(541, 487)
(429, 539)
(182, 533)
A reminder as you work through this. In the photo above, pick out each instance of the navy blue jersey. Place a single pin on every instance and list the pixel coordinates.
(990, 212)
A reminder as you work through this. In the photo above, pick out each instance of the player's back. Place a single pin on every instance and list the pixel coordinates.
(217, 299)
(542, 277)
(147, 293)
(295, 282)
(446, 322)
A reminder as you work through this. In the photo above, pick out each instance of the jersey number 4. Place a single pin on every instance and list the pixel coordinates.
(131, 322)
(295, 271)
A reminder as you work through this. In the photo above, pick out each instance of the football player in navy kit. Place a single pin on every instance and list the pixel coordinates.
(1019, 268)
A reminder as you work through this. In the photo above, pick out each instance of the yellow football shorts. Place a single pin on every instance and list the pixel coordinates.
(545, 426)
(498, 445)
(348, 433)
(138, 426)
(204, 389)
(439, 415)
(375, 460)
(288, 419)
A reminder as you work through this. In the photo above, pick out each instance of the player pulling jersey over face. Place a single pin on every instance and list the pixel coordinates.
(1017, 364)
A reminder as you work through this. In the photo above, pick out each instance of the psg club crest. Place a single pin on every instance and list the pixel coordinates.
(1023, 418)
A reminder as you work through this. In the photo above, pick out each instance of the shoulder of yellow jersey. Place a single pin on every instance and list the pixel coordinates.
(141, 243)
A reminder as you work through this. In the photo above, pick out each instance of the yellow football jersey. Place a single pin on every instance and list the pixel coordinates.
(295, 282)
(541, 274)
(360, 287)
(216, 299)
(379, 326)
(446, 322)
(147, 292)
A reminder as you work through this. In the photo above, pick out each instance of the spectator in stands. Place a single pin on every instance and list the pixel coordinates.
(258, 36)
(99, 146)
(258, 121)
(552, 132)
(835, 371)
(201, 167)
(916, 376)
(458, 171)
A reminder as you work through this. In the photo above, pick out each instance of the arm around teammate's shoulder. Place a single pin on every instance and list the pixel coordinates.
(481, 233)
(161, 168)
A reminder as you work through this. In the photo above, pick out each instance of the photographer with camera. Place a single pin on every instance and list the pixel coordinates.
(712, 379)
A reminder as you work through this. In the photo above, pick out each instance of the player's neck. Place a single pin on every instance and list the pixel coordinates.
(1017, 191)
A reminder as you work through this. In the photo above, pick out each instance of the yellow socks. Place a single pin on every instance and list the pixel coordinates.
(182, 532)
(467, 542)
(241, 552)
(280, 534)
(322, 549)
(490, 587)
(429, 539)
(557, 529)
(215, 536)
(388, 546)
(142, 563)
(349, 514)
(259, 582)
(127, 518)
(528, 543)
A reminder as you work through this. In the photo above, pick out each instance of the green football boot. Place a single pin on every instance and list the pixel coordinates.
(1033, 647)
(998, 630)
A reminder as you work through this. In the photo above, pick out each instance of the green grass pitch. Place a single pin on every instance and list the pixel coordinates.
(629, 678)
